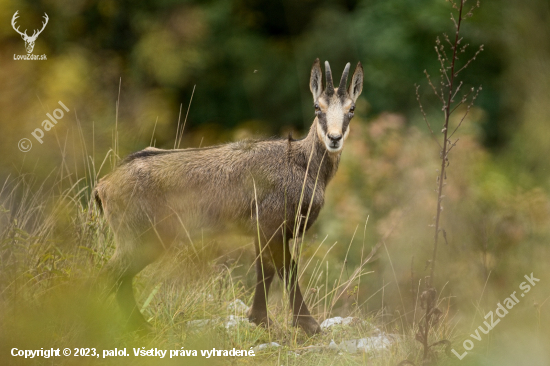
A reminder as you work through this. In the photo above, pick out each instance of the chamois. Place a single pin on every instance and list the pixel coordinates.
(273, 189)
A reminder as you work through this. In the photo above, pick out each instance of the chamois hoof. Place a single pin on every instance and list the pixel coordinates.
(308, 324)
(260, 319)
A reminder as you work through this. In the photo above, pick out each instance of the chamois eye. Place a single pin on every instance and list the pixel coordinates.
(317, 108)
(351, 110)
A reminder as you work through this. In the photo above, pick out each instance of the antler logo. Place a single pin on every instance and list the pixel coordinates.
(29, 41)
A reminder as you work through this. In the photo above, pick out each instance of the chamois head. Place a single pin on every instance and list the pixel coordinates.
(334, 107)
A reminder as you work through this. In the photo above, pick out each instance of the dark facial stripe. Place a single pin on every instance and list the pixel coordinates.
(345, 124)
(322, 117)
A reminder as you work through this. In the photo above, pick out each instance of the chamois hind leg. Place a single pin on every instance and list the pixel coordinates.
(288, 271)
(131, 256)
(264, 274)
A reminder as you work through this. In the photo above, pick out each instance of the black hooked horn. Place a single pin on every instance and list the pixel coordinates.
(343, 81)
(330, 86)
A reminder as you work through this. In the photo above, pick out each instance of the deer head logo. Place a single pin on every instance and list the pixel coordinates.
(29, 40)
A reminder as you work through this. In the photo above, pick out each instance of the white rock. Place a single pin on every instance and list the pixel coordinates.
(327, 323)
(232, 321)
(349, 346)
(333, 346)
(366, 345)
(264, 346)
(237, 306)
(373, 344)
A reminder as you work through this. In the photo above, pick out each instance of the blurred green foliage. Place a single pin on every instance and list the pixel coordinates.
(250, 59)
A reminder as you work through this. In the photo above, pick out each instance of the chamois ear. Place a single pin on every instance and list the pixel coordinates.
(316, 81)
(356, 85)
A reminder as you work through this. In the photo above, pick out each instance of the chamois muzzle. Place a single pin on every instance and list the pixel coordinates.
(334, 140)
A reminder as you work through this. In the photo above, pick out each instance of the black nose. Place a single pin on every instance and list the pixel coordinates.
(335, 138)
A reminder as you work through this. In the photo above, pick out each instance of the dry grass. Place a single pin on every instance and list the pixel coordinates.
(54, 244)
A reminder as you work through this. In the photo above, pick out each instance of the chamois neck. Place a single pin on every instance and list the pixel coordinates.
(322, 161)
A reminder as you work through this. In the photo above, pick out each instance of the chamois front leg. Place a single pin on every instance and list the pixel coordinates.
(264, 274)
(288, 271)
